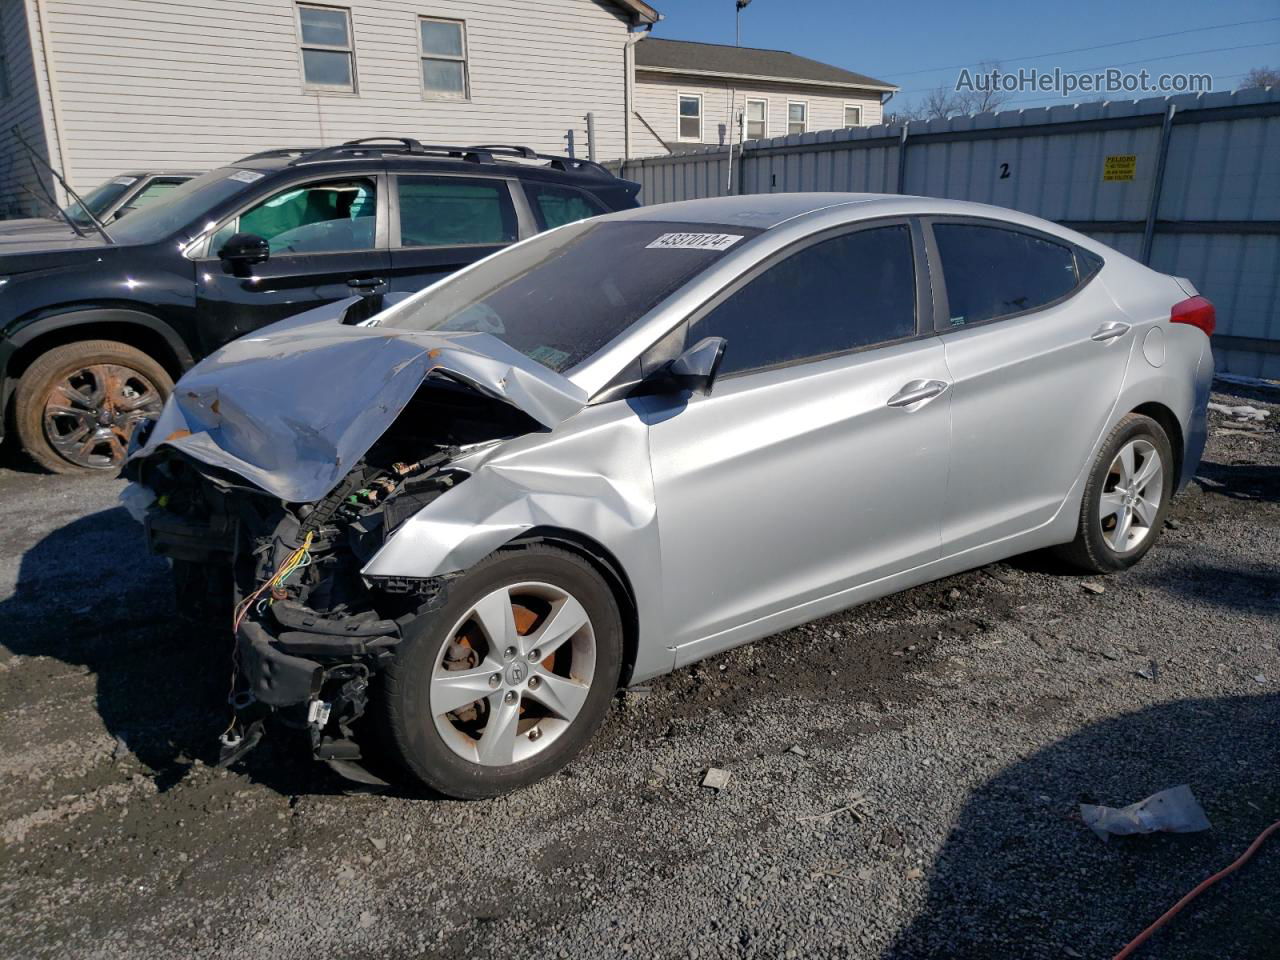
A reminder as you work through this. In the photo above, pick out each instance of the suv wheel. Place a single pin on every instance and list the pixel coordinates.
(77, 405)
(509, 679)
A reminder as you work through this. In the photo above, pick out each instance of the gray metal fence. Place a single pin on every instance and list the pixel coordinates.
(1190, 184)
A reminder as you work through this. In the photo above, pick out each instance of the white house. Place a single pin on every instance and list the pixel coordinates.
(104, 86)
(686, 94)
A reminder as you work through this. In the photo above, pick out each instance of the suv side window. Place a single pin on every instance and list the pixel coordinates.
(992, 272)
(555, 206)
(454, 211)
(851, 291)
(329, 217)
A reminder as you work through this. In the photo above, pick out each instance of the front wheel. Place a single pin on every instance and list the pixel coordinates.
(77, 405)
(1126, 498)
(509, 679)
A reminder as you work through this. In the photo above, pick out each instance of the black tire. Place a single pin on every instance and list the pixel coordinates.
(1089, 550)
(55, 366)
(409, 731)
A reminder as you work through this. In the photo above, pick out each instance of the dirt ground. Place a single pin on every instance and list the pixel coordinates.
(904, 776)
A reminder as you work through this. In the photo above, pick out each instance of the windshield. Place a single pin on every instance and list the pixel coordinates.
(565, 294)
(99, 200)
(183, 206)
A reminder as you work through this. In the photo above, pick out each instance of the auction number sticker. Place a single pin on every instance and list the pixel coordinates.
(694, 241)
(124, 181)
(246, 176)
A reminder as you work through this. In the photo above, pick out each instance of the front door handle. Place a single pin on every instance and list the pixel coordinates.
(1109, 331)
(365, 283)
(916, 391)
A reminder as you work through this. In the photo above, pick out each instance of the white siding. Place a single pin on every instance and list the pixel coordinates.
(22, 108)
(658, 98)
(180, 84)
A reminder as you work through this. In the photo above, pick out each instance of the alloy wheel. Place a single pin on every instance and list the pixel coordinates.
(514, 674)
(1131, 495)
(90, 413)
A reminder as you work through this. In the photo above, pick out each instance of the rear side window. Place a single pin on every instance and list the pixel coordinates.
(555, 206)
(852, 291)
(455, 211)
(992, 272)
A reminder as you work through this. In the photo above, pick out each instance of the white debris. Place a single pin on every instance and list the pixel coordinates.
(1175, 810)
(715, 778)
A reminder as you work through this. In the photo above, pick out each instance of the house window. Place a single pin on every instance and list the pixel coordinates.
(757, 119)
(797, 116)
(852, 116)
(691, 116)
(328, 56)
(444, 58)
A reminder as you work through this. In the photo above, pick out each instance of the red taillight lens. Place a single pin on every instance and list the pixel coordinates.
(1198, 312)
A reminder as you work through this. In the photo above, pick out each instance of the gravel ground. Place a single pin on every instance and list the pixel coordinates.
(943, 739)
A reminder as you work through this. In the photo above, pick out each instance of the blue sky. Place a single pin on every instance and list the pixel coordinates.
(920, 44)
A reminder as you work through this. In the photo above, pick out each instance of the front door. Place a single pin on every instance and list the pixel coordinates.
(441, 224)
(325, 246)
(1037, 356)
(818, 462)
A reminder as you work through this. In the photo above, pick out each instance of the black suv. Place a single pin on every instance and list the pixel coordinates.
(95, 330)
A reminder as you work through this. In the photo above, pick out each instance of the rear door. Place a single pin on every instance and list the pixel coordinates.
(804, 473)
(441, 223)
(1037, 355)
(328, 241)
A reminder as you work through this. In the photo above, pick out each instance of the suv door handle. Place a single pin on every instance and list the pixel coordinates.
(365, 283)
(916, 391)
(1109, 331)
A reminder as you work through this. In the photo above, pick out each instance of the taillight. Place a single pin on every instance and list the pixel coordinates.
(1196, 311)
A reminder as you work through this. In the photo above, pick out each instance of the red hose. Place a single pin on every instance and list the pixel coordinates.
(1203, 885)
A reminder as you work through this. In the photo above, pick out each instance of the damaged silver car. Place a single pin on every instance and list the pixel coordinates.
(448, 533)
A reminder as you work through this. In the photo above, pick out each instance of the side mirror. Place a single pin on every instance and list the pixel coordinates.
(695, 370)
(245, 249)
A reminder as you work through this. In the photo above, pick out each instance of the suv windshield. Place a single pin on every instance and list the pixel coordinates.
(182, 206)
(99, 200)
(565, 294)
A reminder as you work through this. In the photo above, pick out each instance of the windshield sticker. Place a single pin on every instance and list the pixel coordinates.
(124, 181)
(246, 176)
(548, 356)
(694, 241)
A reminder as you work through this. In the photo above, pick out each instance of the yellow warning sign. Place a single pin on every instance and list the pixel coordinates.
(1120, 166)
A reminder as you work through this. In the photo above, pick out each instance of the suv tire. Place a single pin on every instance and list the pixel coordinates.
(107, 387)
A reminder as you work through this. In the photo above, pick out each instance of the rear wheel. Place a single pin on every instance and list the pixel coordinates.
(508, 681)
(77, 405)
(1126, 498)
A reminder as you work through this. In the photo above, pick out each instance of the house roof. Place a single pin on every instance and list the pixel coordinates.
(720, 60)
(640, 11)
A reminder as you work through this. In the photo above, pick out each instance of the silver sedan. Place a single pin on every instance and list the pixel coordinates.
(639, 440)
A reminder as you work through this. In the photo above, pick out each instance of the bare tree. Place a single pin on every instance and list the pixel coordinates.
(946, 101)
(978, 100)
(1261, 77)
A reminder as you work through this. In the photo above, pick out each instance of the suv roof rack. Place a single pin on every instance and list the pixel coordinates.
(407, 146)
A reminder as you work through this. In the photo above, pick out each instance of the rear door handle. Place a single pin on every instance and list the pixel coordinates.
(916, 391)
(1109, 331)
(365, 283)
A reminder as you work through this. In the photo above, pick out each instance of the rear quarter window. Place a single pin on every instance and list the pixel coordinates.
(555, 206)
(992, 272)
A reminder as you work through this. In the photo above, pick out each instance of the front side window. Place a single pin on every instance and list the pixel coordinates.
(454, 211)
(690, 116)
(563, 295)
(853, 116)
(797, 117)
(331, 217)
(444, 58)
(852, 291)
(757, 119)
(992, 272)
(555, 206)
(328, 54)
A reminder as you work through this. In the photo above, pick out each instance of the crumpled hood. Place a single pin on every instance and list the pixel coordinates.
(293, 407)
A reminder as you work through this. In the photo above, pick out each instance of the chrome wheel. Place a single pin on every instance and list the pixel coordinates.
(90, 414)
(1131, 495)
(514, 674)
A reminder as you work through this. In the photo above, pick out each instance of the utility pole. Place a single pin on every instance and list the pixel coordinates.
(733, 93)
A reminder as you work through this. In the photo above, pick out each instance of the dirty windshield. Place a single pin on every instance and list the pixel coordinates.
(562, 296)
